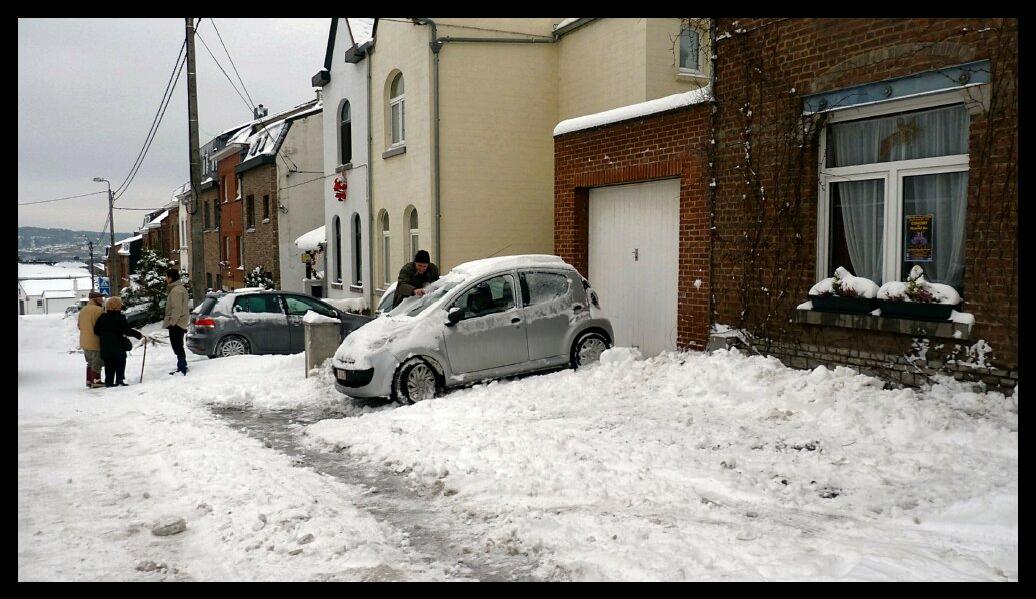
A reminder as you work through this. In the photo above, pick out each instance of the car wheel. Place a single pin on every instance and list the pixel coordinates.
(415, 381)
(588, 349)
(232, 346)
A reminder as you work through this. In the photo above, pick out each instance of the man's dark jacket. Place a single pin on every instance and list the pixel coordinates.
(409, 280)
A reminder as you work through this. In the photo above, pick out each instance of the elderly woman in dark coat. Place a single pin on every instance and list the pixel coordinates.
(112, 328)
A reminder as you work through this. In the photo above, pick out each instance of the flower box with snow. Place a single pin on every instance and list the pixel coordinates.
(917, 299)
(844, 293)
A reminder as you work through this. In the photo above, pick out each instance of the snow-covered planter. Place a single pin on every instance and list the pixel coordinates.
(917, 299)
(844, 293)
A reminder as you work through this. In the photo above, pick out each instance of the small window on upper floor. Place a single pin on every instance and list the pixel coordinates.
(690, 49)
(397, 111)
(346, 134)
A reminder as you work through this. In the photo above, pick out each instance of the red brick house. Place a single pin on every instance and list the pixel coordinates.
(820, 140)
(227, 217)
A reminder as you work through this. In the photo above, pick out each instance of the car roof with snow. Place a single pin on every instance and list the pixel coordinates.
(477, 268)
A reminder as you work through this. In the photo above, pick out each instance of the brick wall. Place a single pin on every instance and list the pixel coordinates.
(655, 147)
(210, 236)
(231, 227)
(261, 245)
(765, 240)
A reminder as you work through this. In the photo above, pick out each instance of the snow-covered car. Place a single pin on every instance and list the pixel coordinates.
(257, 321)
(385, 305)
(483, 320)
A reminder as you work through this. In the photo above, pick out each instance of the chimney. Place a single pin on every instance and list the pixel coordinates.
(260, 112)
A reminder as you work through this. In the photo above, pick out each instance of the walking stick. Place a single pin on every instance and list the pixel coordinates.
(142, 361)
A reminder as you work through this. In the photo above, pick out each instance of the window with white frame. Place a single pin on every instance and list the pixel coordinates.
(690, 49)
(397, 111)
(415, 243)
(238, 188)
(240, 252)
(893, 194)
(386, 247)
(345, 138)
(357, 248)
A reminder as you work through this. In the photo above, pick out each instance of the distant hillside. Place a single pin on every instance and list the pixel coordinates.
(42, 244)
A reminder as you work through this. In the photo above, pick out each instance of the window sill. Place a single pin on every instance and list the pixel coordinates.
(337, 286)
(396, 151)
(266, 221)
(918, 328)
(357, 288)
(341, 168)
(250, 230)
(691, 76)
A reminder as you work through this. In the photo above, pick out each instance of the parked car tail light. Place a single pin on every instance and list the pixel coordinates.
(205, 323)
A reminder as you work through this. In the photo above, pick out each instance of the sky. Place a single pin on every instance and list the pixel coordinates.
(88, 90)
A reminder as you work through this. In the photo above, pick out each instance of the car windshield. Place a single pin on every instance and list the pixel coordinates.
(414, 305)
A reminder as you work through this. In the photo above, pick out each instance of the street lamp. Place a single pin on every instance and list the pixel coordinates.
(115, 262)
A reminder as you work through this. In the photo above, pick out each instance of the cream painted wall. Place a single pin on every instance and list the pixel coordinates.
(499, 107)
(304, 145)
(663, 77)
(406, 179)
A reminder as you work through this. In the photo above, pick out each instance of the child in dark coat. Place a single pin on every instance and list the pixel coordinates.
(113, 328)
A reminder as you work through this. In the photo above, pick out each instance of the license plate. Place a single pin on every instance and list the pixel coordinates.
(340, 375)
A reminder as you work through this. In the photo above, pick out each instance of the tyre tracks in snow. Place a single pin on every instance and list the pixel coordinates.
(433, 534)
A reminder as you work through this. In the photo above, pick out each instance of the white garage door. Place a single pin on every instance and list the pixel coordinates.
(634, 246)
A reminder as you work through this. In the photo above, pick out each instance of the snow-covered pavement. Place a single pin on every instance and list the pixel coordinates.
(681, 467)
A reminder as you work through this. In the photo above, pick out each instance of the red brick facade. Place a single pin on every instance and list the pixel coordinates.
(261, 244)
(231, 226)
(763, 247)
(661, 146)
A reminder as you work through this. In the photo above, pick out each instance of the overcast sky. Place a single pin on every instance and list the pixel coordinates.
(88, 90)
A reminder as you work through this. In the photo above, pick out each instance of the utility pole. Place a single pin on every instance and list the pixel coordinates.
(194, 202)
(114, 274)
(92, 275)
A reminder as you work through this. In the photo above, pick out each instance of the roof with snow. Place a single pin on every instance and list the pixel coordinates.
(58, 293)
(129, 240)
(46, 271)
(39, 286)
(625, 113)
(310, 242)
(69, 265)
(361, 30)
(157, 221)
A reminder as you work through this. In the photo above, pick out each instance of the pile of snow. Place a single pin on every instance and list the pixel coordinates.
(689, 466)
(349, 304)
(624, 113)
(897, 290)
(312, 317)
(311, 241)
(864, 288)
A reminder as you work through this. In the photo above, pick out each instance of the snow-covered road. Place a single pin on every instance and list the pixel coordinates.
(682, 467)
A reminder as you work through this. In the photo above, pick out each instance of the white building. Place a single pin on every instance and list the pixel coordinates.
(345, 91)
(46, 289)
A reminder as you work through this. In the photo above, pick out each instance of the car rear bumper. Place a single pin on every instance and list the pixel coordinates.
(203, 345)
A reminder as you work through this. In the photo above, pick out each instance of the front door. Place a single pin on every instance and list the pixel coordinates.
(492, 334)
(262, 320)
(634, 243)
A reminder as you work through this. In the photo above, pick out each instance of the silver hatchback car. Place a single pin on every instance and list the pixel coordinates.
(483, 320)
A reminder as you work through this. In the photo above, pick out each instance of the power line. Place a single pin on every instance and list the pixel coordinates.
(211, 20)
(60, 199)
(155, 121)
(247, 104)
(151, 209)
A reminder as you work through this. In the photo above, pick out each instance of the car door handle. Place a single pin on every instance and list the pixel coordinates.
(515, 320)
(576, 308)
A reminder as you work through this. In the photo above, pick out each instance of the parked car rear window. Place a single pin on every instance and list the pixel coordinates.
(206, 306)
(257, 304)
(542, 287)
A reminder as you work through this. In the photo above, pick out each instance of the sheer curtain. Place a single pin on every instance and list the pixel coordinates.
(863, 213)
(938, 132)
(942, 196)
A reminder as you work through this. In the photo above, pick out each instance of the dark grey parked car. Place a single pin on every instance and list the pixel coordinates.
(258, 322)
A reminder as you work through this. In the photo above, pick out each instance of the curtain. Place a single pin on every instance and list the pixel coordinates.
(907, 136)
(943, 196)
(863, 212)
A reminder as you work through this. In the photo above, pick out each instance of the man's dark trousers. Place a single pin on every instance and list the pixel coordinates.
(176, 340)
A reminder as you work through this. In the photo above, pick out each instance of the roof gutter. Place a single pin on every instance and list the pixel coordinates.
(436, 45)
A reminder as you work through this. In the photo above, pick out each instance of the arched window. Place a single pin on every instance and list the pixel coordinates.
(397, 111)
(346, 137)
(357, 251)
(415, 242)
(690, 49)
(386, 247)
(338, 249)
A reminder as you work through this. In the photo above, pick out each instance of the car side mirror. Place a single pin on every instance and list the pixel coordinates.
(454, 316)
